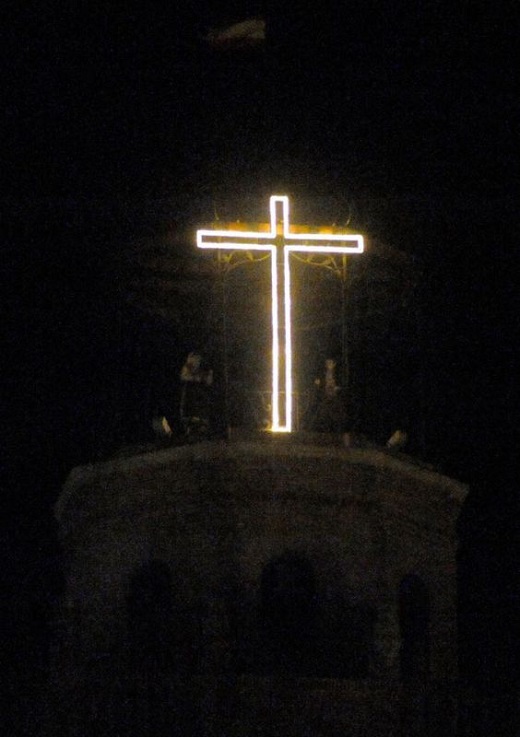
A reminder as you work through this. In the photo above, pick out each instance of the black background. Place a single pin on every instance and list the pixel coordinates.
(115, 116)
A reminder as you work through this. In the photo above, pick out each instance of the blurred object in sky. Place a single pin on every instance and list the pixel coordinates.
(248, 34)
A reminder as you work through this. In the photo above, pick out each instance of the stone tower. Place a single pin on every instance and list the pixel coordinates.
(259, 585)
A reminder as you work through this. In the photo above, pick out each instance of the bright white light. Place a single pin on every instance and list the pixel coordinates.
(279, 236)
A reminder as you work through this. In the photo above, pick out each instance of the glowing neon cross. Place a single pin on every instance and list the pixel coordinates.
(278, 239)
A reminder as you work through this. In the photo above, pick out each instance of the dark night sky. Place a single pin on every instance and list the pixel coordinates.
(111, 114)
(114, 115)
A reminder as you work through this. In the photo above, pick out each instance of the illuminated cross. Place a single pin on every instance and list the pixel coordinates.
(278, 239)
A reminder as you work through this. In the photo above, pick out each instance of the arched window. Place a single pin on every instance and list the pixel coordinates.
(287, 614)
(160, 643)
(414, 624)
(306, 633)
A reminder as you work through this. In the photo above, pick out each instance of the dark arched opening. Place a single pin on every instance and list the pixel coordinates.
(287, 615)
(414, 624)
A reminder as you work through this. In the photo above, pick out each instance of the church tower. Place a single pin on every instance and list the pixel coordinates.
(268, 581)
(267, 584)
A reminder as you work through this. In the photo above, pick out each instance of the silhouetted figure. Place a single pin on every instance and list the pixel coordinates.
(329, 411)
(196, 383)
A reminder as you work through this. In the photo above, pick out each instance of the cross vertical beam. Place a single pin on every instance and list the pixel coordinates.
(278, 240)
